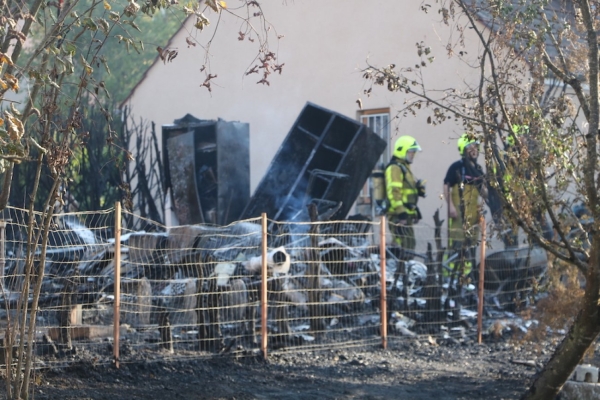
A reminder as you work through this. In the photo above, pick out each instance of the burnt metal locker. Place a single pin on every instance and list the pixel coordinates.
(326, 158)
(207, 168)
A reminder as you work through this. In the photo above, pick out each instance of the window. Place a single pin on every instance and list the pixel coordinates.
(379, 121)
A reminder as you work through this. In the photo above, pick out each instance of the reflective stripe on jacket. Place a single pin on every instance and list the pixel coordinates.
(401, 188)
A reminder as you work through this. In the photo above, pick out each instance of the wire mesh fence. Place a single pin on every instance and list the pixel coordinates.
(59, 278)
(118, 293)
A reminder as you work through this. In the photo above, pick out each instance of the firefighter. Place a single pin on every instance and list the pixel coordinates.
(403, 192)
(464, 185)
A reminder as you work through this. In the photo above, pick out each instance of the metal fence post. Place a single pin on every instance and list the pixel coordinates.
(117, 284)
(263, 293)
(481, 280)
(383, 296)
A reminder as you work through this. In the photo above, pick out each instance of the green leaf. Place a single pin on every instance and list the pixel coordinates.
(69, 67)
(90, 24)
(70, 48)
(54, 50)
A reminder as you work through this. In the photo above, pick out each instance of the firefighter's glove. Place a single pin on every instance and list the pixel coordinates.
(421, 188)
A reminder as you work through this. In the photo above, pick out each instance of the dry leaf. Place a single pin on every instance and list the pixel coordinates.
(216, 5)
(213, 4)
(12, 82)
(254, 70)
(131, 9)
(5, 58)
(14, 126)
(201, 22)
(166, 55)
(190, 42)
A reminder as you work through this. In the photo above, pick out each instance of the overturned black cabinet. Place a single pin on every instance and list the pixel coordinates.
(326, 159)
(207, 169)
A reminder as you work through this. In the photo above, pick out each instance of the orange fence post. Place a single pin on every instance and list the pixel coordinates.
(117, 284)
(263, 293)
(383, 297)
(481, 280)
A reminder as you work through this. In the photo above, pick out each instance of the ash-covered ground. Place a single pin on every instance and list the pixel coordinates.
(409, 369)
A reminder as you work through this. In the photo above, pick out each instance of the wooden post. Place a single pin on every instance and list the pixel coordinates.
(383, 299)
(117, 284)
(263, 293)
(65, 314)
(481, 280)
(164, 329)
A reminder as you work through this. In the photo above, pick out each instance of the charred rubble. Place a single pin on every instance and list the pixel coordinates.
(198, 285)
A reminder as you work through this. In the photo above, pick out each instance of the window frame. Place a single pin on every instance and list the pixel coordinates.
(375, 112)
(365, 116)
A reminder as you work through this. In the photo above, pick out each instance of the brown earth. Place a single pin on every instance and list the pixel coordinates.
(409, 369)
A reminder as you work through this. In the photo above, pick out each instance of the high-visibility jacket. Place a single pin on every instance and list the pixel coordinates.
(465, 181)
(401, 188)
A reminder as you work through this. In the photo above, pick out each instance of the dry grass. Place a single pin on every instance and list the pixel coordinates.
(558, 310)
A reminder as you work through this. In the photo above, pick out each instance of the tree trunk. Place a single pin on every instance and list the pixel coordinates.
(578, 340)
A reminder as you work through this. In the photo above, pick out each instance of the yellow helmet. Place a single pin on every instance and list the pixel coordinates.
(404, 144)
(465, 140)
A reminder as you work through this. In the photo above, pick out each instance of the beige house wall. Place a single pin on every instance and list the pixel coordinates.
(325, 45)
